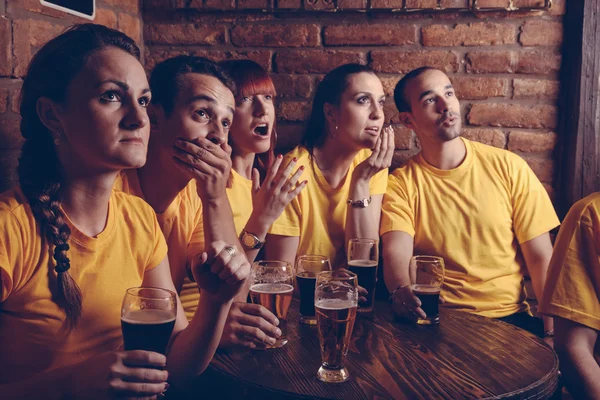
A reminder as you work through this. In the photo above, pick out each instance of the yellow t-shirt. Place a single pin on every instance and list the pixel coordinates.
(318, 214)
(240, 198)
(572, 288)
(474, 216)
(181, 225)
(33, 337)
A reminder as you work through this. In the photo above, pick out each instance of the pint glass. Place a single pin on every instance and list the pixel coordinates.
(427, 277)
(307, 268)
(363, 257)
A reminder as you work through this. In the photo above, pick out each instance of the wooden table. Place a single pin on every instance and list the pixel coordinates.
(465, 356)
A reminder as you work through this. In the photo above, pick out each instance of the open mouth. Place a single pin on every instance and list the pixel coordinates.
(261, 130)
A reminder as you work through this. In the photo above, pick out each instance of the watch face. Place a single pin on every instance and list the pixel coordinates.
(248, 240)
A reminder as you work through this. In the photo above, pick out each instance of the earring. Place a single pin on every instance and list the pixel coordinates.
(56, 141)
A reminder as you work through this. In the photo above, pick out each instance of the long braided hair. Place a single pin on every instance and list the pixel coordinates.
(40, 171)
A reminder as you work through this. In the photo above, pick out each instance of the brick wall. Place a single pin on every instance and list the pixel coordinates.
(505, 66)
(25, 25)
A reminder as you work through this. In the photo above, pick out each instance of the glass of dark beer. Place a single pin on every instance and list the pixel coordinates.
(147, 318)
(427, 278)
(307, 268)
(363, 257)
(336, 300)
(272, 286)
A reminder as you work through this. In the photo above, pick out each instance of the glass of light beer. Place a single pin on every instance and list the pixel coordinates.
(336, 300)
(427, 277)
(307, 268)
(272, 286)
(147, 318)
(363, 257)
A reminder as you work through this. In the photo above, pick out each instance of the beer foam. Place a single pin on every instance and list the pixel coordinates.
(272, 288)
(426, 289)
(334, 304)
(148, 316)
(362, 263)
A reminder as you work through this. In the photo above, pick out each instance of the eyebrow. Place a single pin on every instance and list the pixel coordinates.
(428, 92)
(207, 98)
(122, 85)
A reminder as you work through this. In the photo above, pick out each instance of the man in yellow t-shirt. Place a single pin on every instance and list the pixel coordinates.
(572, 297)
(480, 208)
(185, 178)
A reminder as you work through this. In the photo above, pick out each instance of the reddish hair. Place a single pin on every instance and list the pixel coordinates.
(251, 79)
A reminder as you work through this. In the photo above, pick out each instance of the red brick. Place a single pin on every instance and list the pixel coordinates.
(528, 141)
(2, 8)
(541, 33)
(261, 57)
(542, 89)
(10, 133)
(29, 34)
(389, 84)
(513, 115)
(349, 4)
(492, 137)
(293, 4)
(387, 3)
(3, 100)
(390, 112)
(34, 6)
(296, 35)
(293, 85)
(106, 17)
(221, 4)
(288, 136)
(454, 3)
(403, 137)
(15, 99)
(319, 5)
(190, 34)
(525, 62)
(315, 61)
(5, 48)
(252, 4)
(493, 3)
(9, 161)
(543, 167)
(476, 34)
(154, 56)
(132, 6)
(370, 34)
(293, 110)
(131, 26)
(559, 7)
(480, 88)
(528, 3)
(405, 61)
(421, 3)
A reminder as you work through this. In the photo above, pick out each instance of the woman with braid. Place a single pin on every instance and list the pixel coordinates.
(70, 246)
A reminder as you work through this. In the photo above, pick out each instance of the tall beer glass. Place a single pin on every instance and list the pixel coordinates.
(272, 286)
(147, 318)
(427, 278)
(336, 300)
(363, 257)
(307, 268)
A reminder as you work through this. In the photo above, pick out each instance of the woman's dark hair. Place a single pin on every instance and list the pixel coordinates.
(40, 172)
(251, 79)
(165, 80)
(329, 91)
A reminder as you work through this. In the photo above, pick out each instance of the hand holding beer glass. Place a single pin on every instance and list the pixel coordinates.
(272, 286)
(336, 300)
(426, 277)
(147, 318)
(307, 268)
(363, 257)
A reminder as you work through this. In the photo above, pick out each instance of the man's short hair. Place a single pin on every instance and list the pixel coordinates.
(165, 80)
(402, 103)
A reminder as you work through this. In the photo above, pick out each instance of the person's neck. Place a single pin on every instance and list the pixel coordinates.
(334, 160)
(160, 181)
(242, 163)
(85, 199)
(444, 155)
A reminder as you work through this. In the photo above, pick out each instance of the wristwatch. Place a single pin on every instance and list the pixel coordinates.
(250, 241)
(363, 203)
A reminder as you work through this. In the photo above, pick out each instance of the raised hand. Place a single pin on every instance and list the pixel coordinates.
(206, 162)
(250, 325)
(380, 159)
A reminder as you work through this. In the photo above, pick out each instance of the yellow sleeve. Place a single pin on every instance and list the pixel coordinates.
(396, 212)
(533, 213)
(572, 288)
(196, 244)
(379, 182)
(159, 245)
(10, 249)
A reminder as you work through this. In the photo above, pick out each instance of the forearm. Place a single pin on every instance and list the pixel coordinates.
(362, 222)
(580, 370)
(194, 347)
(259, 226)
(54, 384)
(538, 271)
(397, 251)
